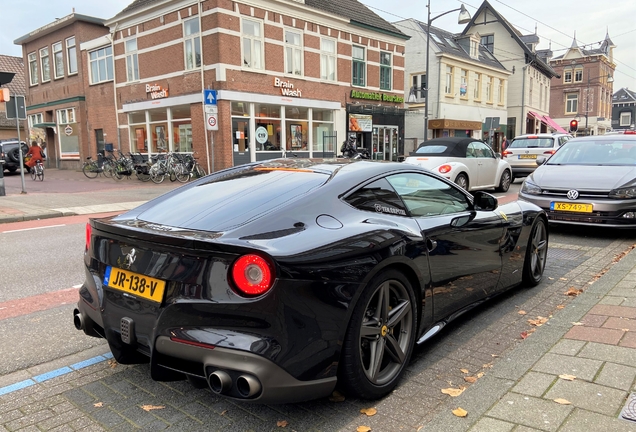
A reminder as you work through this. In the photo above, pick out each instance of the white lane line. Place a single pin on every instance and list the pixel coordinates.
(36, 228)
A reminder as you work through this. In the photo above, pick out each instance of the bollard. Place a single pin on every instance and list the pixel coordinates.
(2, 191)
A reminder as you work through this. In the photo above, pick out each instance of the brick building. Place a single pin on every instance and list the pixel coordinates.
(12, 65)
(291, 76)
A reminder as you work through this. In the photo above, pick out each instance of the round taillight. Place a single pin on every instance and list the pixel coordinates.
(252, 275)
(444, 169)
(89, 232)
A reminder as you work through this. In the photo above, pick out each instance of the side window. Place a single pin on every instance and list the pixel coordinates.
(428, 196)
(377, 197)
(482, 150)
(470, 151)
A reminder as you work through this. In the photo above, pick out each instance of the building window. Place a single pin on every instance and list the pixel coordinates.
(488, 42)
(567, 76)
(35, 119)
(448, 87)
(327, 59)
(572, 103)
(490, 83)
(252, 44)
(69, 139)
(33, 69)
(474, 49)
(58, 60)
(46, 64)
(293, 53)
(358, 66)
(132, 61)
(385, 71)
(626, 119)
(477, 91)
(71, 55)
(192, 43)
(101, 65)
(463, 84)
(501, 92)
(578, 75)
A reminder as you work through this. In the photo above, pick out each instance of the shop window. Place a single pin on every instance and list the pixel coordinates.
(132, 60)
(46, 64)
(58, 60)
(297, 112)
(293, 53)
(385, 71)
(69, 133)
(192, 43)
(323, 136)
(101, 65)
(33, 69)
(252, 36)
(240, 109)
(327, 59)
(71, 55)
(358, 66)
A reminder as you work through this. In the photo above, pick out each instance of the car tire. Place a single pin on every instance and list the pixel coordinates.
(14, 155)
(536, 253)
(504, 181)
(383, 324)
(12, 169)
(462, 181)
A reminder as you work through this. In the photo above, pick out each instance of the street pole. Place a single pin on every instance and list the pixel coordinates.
(428, 48)
(21, 161)
(587, 101)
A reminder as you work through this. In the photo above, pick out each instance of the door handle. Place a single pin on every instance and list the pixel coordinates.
(430, 245)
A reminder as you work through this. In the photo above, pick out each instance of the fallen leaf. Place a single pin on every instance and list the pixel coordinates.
(494, 355)
(281, 423)
(98, 404)
(573, 292)
(563, 279)
(465, 370)
(560, 306)
(112, 363)
(524, 334)
(538, 322)
(223, 412)
(577, 323)
(522, 312)
(567, 377)
(336, 396)
(487, 365)
(152, 407)
(453, 392)
(470, 379)
(479, 375)
(562, 401)
(532, 330)
(551, 278)
(363, 429)
(625, 330)
(418, 429)
(460, 412)
(369, 411)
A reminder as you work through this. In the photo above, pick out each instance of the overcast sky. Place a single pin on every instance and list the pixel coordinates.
(555, 21)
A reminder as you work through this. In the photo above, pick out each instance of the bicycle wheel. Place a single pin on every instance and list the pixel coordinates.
(199, 172)
(182, 174)
(108, 169)
(143, 174)
(156, 175)
(90, 170)
(33, 174)
(41, 174)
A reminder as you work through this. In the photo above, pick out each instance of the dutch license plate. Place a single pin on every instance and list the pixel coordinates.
(527, 156)
(571, 207)
(133, 283)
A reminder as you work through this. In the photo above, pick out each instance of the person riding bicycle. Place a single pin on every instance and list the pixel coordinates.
(35, 153)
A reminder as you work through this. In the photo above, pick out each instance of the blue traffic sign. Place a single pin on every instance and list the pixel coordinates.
(209, 97)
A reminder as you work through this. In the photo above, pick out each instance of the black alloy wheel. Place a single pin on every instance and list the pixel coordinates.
(536, 254)
(504, 182)
(380, 337)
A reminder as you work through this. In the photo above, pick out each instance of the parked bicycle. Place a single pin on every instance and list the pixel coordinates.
(192, 166)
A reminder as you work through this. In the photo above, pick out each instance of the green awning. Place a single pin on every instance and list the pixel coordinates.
(45, 125)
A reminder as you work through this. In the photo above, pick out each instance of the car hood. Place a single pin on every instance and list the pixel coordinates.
(587, 177)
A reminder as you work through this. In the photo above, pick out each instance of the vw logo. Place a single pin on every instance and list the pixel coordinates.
(572, 194)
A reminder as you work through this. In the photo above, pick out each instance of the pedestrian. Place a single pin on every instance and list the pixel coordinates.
(504, 144)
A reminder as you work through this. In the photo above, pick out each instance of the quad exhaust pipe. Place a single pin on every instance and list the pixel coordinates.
(247, 386)
(220, 382)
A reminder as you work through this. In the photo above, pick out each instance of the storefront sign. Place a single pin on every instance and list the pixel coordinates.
(261, 135)
(355, 94)
(156, 91)
(454, 124)
(68, 130)
(360, 123)
(287, 88)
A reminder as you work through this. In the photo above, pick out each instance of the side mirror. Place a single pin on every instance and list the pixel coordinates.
(541, 160)
(484, 201)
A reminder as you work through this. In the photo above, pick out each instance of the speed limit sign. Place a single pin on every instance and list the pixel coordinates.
(211, 122)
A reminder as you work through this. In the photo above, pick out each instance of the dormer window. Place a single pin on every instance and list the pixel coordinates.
(474, 48)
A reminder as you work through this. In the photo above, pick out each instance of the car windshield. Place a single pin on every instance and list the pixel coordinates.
(436, 149)
(615, 152)
(530, 142)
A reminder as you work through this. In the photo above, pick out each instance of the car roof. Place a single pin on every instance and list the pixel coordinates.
(455, 146)
(542, 135)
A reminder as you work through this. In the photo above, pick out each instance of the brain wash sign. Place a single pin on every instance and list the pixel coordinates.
(156, 91)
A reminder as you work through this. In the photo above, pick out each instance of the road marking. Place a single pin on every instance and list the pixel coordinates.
(31, 229)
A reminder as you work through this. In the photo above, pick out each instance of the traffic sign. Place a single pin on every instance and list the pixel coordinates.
(211, 109)
(211, 122)
(209, 97)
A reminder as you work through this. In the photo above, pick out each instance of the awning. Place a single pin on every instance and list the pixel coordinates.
(537, 116)
(45, 125)
(553, 124)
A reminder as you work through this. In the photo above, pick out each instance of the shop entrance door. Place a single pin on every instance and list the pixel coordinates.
(385, 143)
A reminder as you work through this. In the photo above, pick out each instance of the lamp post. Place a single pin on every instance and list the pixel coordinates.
(610, 80)
(464, 18)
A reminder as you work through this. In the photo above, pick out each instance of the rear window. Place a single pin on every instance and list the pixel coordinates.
(532, 142)
(432, 150)
(226, 201)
